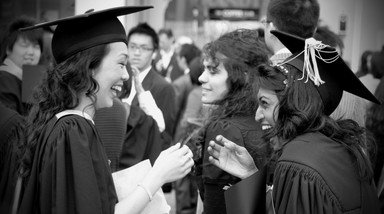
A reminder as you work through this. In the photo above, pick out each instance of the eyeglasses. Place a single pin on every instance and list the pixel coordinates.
(265, 21)
(132, 47)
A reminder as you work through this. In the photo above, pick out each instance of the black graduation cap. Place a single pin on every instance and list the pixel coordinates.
(335, 75)
(80, 32)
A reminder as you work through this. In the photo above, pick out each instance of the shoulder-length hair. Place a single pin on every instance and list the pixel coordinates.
(300, 111)
(60, 90)
(240, 52)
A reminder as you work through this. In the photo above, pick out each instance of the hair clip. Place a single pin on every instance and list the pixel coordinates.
(283, 69)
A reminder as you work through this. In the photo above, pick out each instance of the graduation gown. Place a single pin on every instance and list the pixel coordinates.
(315, 174)
(10, 130)
(244, 131)
(10, 92)
(70, 171)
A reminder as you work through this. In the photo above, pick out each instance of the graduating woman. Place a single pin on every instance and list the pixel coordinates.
(65, 166)
(228, 64)
(323, 165)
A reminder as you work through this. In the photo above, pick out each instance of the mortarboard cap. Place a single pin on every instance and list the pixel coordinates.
(77, 33)
(326, 69)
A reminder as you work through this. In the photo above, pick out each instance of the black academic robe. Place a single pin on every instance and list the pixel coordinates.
(164, 95)
(244, 131)
(315, 174)
(70, 171)
(10, 92)
(10, 130)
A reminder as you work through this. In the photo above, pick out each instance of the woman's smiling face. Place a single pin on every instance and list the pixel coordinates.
(268, 110)
(111, 73)
(213, 82)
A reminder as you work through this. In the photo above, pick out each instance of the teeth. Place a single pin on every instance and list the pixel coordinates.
(265, 127)
(117, 88)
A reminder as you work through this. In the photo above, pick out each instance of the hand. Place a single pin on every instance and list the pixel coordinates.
(159, 65)
(231, 158)
(139, 88)
(173, 163)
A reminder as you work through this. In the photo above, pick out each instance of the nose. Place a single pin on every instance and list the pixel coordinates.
(259, 114)
(125, 75)
(203, 77)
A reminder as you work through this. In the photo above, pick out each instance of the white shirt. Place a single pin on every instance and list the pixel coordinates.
(146, 101)
(166, 58)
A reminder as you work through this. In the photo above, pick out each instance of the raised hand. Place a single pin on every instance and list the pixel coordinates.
(231, 158)
(139, 88)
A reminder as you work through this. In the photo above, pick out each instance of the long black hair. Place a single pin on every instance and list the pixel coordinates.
(60, 90)
(300, 111)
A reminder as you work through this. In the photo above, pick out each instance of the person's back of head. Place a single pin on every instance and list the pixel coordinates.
(145, 29)
(189, 52)
(377, 64)
(297, 17)
(328, 37)
(13, 34)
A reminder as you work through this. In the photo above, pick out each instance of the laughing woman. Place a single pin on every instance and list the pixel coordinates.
(65, 167)
(323, 165)
(228, 64)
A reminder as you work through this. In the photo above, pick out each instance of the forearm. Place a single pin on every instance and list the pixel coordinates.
(139, 198)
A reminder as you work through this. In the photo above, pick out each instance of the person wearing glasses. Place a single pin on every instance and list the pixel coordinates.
(142, 45)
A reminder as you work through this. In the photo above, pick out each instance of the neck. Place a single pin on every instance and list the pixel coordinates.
(86, 106)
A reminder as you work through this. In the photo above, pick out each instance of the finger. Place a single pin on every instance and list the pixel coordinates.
(214, 145)
(214, 161)
(173, 148)
(228, 144)
(213, 152)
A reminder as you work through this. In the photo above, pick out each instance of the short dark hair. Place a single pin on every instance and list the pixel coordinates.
(144, 28)
(166, 31)
(189, 52)
(298, 17)
(13, 33)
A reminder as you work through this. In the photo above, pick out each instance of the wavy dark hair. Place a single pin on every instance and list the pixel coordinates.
(240, 51)
(60, 90)
(300, 111)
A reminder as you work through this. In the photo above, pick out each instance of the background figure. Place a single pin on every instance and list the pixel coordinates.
(17, 49)
(165, 61)
(183, 85)
(142, 45)
(186, 188)
(297, 17)
(10, 144)
(372, 79)
(228, 64)
(365, 64)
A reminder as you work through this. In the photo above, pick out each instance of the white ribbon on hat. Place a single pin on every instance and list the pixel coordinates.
(312, 45)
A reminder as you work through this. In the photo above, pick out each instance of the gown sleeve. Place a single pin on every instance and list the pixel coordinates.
(299, 190)
(74, 176)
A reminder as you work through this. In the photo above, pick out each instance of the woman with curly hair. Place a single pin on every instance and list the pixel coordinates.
(322, 165)
(65, 166)
(228, 64)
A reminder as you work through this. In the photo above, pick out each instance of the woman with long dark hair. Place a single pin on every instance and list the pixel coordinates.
(229, 62)
(323, 165)
(64, 165)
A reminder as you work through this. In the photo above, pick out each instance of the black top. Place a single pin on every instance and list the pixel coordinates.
(70, 171)
(244, 131)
